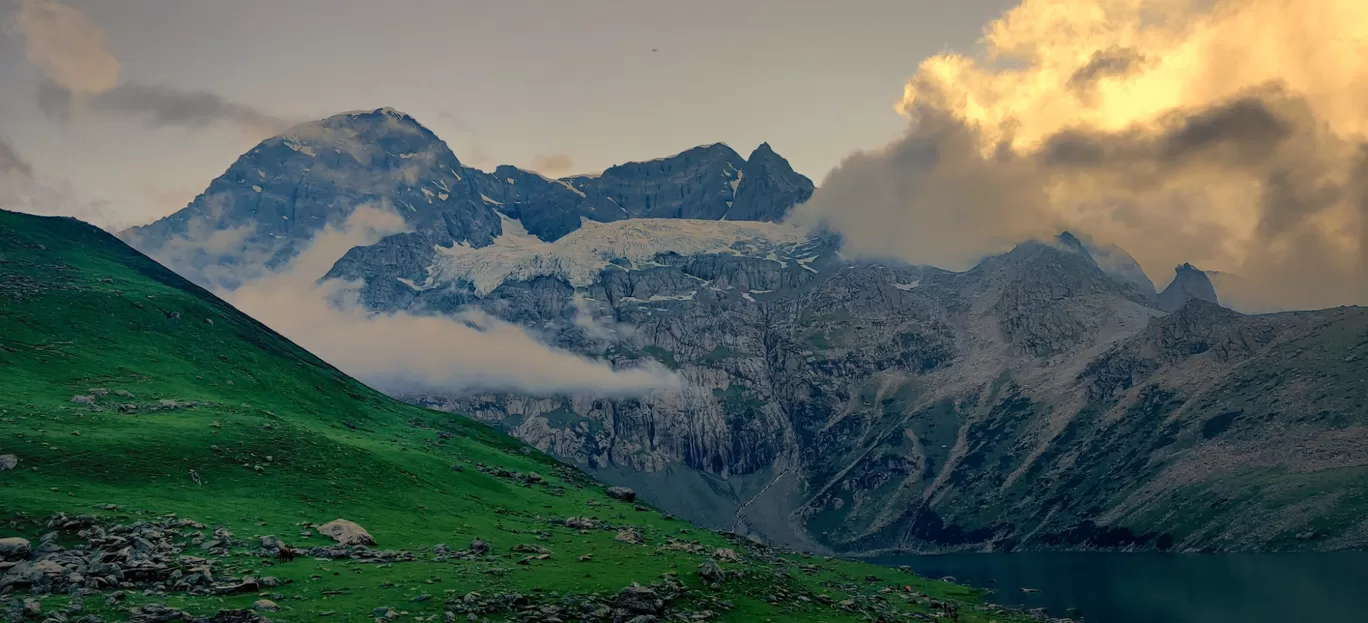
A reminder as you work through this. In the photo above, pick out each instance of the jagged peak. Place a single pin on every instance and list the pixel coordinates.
(711, 152)
(764, 155)
(382, 111)
(1189, 282)
(1070, 241)
(380, 120)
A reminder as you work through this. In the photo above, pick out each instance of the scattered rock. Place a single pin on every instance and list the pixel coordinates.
(629, 536)
(265, 605)
(727, 554)
(622, 493)
(83, 400)
(639, 599)
(346, 532)
(238, 616)
(8, 461)
(581, 523)
(528, 548)
(478, 547)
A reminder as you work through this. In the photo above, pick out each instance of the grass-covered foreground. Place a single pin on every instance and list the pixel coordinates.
(128, 395)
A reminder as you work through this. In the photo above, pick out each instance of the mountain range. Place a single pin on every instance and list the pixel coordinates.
(1047, 398)
(165, 457)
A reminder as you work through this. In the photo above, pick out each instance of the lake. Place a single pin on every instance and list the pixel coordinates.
(1168, 588)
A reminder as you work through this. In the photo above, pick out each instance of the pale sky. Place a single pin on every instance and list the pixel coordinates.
(502, 81)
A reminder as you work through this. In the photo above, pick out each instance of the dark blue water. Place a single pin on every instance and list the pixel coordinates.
(1169, 588)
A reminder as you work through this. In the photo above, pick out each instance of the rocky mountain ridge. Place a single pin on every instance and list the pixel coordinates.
(1046, 398)
(272, 201)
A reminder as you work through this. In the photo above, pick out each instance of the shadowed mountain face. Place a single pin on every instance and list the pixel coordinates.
(1188, 284)
(1046, 398)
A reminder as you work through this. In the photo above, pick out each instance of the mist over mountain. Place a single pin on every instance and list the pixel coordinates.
(1045, 397)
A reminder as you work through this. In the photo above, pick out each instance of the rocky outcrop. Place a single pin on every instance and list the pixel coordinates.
(1188, 284)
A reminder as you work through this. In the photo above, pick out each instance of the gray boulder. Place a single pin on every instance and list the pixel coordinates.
(14, 548)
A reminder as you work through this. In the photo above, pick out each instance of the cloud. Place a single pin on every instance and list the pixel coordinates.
(21, 190)
(12, 162)
(166, 106)
(407, 353)
(160, 106)
(67, 46)
(1152, 125)
(552, 165)
(82, 75)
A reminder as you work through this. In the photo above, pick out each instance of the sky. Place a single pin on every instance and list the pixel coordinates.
(1230, 134)
(561, 87)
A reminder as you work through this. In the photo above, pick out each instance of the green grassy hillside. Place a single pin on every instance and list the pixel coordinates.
(127, 394)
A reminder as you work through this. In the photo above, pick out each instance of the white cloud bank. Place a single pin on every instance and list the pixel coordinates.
(408, 353)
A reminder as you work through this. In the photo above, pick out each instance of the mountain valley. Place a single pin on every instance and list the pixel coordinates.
(1047, 398)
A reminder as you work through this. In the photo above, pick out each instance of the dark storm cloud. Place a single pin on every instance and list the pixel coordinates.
(1116, 61)
(161, 106)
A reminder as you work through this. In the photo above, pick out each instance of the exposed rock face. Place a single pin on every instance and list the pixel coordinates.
(862, 407)
(1046, 398)
(1188, 284)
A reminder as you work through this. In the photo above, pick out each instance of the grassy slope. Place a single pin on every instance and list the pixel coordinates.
(278, 437)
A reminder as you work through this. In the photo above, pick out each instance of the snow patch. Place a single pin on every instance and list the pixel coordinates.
(303, 149)
(660, 297)
(907, 286)
(572, 188)
(579, 256)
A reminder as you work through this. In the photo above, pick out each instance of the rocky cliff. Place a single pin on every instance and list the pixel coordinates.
(1046, 398)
